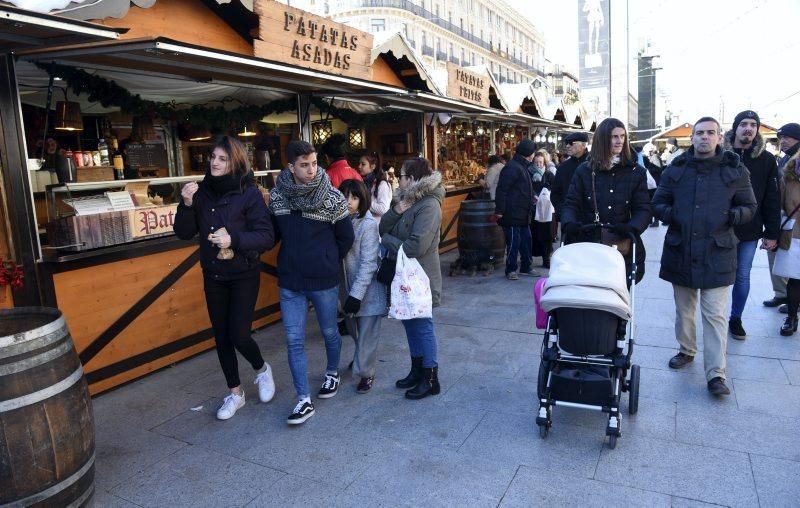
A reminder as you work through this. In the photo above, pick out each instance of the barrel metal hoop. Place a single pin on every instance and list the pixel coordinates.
(81, 500)
(40, 395)
(35, 361)
(55, 489)
(34, 344)
(33, 334)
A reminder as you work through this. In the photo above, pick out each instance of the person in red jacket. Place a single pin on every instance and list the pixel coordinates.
(335, 151)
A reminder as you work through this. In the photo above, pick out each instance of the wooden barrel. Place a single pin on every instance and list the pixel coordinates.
(46, 422)
(479, 239)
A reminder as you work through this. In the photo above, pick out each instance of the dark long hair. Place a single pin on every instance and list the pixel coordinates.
(601, 145)
(357, 189)
(237, 155)
(380, 175)
(417, 168)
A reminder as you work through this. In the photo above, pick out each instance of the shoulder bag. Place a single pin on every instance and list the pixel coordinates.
(785, 236)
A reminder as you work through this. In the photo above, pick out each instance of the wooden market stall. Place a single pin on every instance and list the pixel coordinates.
(130, 291)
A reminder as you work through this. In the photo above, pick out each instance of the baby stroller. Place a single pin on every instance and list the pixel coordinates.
(588, 339)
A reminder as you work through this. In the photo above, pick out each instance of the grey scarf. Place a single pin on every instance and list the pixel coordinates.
(316, 200)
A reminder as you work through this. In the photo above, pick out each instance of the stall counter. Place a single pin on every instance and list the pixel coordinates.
(135, 308)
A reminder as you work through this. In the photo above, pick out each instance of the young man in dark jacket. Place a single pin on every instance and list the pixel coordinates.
(745, 140)
(514, 207)
(703, 194)
(311, 219)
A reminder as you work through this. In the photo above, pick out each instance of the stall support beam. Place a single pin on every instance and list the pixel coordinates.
(423, 136)
(492, 140)
(304, 116)
(16, 186)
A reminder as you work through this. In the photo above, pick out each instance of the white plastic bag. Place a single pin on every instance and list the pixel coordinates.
(411, 290)
(651, 182)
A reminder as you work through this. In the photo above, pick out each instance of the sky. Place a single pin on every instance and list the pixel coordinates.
(717, 57)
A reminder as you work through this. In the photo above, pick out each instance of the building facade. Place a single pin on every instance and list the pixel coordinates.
(465, 32)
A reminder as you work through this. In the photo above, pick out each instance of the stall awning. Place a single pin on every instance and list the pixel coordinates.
(167, 58)
(21, 29)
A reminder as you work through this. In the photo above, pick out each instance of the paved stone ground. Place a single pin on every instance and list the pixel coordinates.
(476, 444)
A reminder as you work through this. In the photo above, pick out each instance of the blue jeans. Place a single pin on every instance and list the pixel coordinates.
(745, 252)
(294, 308)
(518, 243)
(422, 340)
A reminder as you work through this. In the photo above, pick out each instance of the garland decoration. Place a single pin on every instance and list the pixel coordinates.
(217, 118)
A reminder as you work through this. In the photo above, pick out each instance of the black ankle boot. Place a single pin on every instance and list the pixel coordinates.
(428, 385)
(789, 326)
(413, 376)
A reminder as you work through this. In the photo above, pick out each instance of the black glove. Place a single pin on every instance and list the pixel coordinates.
(385, 273)
(352, 305)
(571, 230)
(623, 229)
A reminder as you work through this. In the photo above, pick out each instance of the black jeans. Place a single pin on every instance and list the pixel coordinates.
(231, 305)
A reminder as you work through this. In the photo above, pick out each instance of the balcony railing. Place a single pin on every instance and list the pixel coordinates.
(427, 51)
(441, 55)
(450, 27)
(455, 60)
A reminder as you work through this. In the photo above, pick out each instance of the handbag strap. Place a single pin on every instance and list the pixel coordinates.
(594, 201)
(786, 220)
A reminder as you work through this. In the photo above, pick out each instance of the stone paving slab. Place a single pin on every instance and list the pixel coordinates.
(777, 481)
(198, 477)
(696, 472)
(538, 487)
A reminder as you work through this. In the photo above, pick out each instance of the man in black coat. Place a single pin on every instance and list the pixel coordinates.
(576, 149)
(703, 194)
(789, 138)
(745, 140)
(514, 207)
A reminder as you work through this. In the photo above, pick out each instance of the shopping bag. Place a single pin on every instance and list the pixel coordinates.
(411, 290)
(541, 315)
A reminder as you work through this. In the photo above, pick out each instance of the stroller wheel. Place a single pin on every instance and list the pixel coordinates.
(544, 430)
(633, 390)
(612, 441)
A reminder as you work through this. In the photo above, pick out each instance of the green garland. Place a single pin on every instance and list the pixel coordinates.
(217, 118)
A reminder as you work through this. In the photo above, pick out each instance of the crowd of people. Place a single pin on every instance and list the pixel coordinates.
(341, 229)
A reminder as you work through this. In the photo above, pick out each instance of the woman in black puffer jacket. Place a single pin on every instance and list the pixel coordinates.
(227, 211)
(619, 196)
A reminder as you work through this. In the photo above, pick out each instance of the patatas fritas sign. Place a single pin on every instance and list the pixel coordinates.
(151, 221)
(293, 36)
(467, 86)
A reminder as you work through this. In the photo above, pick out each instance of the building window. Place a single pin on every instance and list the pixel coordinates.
(377, 25)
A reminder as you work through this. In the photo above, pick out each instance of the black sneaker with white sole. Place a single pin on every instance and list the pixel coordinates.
(302, 412)
(736, 329)
(330, 387)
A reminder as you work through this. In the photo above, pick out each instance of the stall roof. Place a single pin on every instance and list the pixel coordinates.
(167, 58)
(21, 29)
(398, 46)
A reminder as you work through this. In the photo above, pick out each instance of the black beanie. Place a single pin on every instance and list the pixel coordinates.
(744, 115)
(526, 147)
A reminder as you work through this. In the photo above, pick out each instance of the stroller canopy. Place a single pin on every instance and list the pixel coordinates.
(587, 276)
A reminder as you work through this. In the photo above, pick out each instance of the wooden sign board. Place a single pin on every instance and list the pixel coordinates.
(296, 37)
(156, 220)
(467, 86)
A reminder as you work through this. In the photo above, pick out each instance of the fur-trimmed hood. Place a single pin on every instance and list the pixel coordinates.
(756, 149)
(789, 173)
(430, 185)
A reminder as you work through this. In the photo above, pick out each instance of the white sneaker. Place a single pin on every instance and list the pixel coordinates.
(230, 405)
(266, 385)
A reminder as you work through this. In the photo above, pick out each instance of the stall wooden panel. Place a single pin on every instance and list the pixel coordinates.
(448, 239)
(133, 316)
(6, 300)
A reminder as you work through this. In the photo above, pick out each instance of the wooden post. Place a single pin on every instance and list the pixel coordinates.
(14, 166)
(303, 116)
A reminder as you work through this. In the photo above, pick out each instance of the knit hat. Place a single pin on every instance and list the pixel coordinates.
(744, 115)
(791, 130)
(526, 147)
